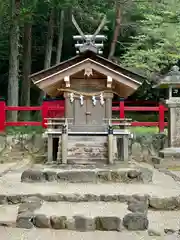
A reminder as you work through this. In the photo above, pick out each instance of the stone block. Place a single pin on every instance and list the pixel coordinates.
(135, 221)
(3, 199)
(58, 222)
(25, 220)
(146, 175)
(50, 176)
(108, 223)
(53, 198)
(133, 174)
(91, 198)
(42, 221)
(74, 197)
(103, 176)
(14, 199)
(138, 206)
(84, 224)
(70, 224)
(109, 198)
(30, 205)
(77, 176)
(170, 203)
(119, 176)
(31, 175)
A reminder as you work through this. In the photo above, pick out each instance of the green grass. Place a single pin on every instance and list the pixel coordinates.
(24, 130)
(37, 130)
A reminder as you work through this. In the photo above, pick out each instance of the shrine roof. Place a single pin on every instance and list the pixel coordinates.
(172, 78)
(79, 58)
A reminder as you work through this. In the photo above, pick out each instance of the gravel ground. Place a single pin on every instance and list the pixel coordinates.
(39, 234)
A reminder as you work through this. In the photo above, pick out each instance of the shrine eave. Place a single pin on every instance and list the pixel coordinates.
(51, 78)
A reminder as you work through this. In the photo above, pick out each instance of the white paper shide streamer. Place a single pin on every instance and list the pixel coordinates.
(101, 99)
(81, 100)
(94, 100)
(72, 97)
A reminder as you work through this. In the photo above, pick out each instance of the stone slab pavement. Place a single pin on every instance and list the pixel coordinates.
(46, 234)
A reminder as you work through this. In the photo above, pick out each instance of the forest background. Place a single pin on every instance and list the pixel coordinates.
(142, 35)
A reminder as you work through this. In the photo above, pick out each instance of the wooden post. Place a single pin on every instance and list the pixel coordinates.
(121, 108)
(110, 145)
(50, 148)
(2, 115)
(44, 113)
(161, 116)
(64, 143)
(125, 148)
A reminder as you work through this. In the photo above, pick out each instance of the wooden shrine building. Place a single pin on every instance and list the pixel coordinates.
(88, 82)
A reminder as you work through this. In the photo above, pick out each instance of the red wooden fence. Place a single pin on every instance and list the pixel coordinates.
(56, 109)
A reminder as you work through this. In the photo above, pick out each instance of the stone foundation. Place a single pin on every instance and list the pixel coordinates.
(88, 175)
(142, 148)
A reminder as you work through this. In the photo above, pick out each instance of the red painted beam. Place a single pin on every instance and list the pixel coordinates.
(20, 124)
(19, 108)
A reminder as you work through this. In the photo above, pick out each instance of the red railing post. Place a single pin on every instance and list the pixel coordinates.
(161, 116)
(2, 115)
(44, 113)
(121, 108)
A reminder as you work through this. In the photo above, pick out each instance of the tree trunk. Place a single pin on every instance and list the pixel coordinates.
(60, 37)
(116, 31)
(26, 84)
(13, 81)
(49, 46)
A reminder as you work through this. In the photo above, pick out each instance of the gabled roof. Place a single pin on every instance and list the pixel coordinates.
(63, 65)
(48, 80)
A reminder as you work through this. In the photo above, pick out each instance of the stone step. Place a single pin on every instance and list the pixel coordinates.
(124, 175)
(99, 216)
(86, 160)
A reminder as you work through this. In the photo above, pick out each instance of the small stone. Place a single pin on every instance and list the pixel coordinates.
(133, 174)
(163, 203)
(152, 232)
(84, 224)
(58, 222)
(25, 220)
(31, 175)
(50, 176)
(169, 231)
(156, 160)
(108, 223)
(42, 221)
(135, 221)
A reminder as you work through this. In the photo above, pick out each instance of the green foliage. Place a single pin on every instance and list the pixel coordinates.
(156, 45)
(148, 42)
